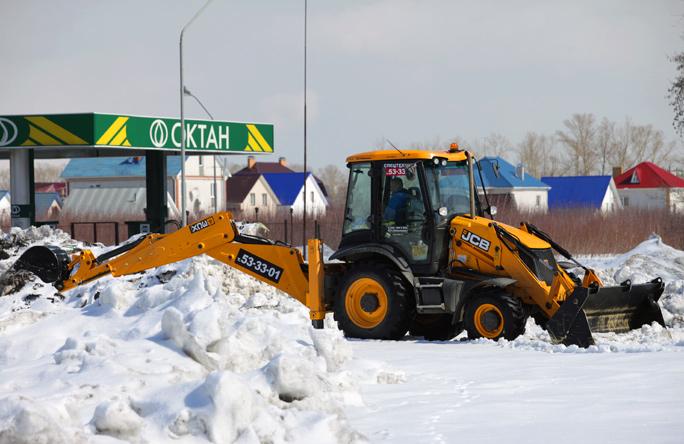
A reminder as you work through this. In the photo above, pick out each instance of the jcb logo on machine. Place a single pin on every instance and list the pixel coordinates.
(474, 239)
(201, 225)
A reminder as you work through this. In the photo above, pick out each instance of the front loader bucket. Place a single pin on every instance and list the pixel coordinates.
(606, 309)
(49, 263)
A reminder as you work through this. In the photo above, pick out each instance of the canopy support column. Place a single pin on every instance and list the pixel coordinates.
(22, 188)
(156, 184)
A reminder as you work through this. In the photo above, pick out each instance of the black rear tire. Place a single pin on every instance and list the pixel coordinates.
(494, 315)
(373, 303)
(435, 327)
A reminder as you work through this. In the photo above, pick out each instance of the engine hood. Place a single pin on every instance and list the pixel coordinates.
(527, 239)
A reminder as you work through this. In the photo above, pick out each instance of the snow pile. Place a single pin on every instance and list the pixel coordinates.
(192, 352)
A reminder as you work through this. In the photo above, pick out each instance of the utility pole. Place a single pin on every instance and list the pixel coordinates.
(187, 92)
(184, 215)
(305, 118)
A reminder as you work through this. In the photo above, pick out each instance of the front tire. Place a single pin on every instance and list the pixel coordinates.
(495, 315)
(373, 303)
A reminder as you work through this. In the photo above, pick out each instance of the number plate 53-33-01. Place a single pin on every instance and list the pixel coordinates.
(259, 266)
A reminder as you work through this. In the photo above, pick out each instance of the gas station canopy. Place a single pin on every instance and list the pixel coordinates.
(51, 133)
(58, 136)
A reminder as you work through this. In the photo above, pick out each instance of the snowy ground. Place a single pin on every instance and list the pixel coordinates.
(627, 388)
(197, 352)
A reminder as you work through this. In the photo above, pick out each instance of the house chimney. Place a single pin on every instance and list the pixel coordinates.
(617, 171)
(282, 161)
(520, 171)
(251, 162)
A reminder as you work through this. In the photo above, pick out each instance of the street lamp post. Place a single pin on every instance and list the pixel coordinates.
(187, 92)
(184, 216)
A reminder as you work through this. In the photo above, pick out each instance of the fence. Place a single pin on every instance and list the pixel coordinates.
(289, 228)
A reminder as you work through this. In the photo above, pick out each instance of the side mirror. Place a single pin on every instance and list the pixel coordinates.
(492, 210)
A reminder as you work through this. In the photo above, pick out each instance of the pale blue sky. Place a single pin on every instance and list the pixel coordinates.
(404, 70)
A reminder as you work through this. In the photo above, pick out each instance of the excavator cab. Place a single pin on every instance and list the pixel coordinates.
(403, 206)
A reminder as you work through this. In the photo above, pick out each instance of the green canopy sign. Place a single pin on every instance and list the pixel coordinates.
(123, 131)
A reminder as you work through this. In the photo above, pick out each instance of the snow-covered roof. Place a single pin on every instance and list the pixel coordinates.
(84, 167)
(110, 204)
(43, 201)
(506, 176)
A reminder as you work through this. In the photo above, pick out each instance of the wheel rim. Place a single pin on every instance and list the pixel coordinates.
(489, 321)
(366, 303)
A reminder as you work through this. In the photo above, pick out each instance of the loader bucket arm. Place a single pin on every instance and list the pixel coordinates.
(278, 265)
(592, 307)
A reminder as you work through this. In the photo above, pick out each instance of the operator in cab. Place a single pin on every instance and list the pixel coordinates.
(398, 201)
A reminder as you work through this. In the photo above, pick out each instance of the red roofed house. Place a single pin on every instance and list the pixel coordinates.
(649, 186)
(52, 187)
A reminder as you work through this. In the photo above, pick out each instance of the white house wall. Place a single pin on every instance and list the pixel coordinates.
(643, 197)
(654, 198)
(259, 189)
(317, 207)
(531, 200)
(611, 200)
(677, 199)
(523, 199)
(202, 166)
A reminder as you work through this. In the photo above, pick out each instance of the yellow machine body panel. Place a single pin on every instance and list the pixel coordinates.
(475, 246)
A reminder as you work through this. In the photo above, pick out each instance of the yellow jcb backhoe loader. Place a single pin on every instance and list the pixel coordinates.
(417, 254)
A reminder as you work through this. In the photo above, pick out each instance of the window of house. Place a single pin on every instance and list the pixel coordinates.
(312, 196)
(252, 199)
(634, 178)
(625, 201)
(264, 199)
(538, 203)
(201, 161)
(212, 192)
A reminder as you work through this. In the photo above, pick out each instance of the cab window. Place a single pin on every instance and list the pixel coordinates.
(357, 214)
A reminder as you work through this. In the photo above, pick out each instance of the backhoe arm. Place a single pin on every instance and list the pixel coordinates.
(279, 265)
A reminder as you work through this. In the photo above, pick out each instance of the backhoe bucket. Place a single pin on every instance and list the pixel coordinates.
(606, 309)
(49, 263)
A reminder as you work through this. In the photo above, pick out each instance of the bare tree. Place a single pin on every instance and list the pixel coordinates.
(495, 144)
(676, 94)
(538, 154)
(335, 182)
(46, 172)
(631, 144)
(605, 141)
(437, 144)
(620, 154)
(579, 141)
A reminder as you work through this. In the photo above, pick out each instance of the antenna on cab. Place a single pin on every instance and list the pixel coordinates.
(394, 146)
